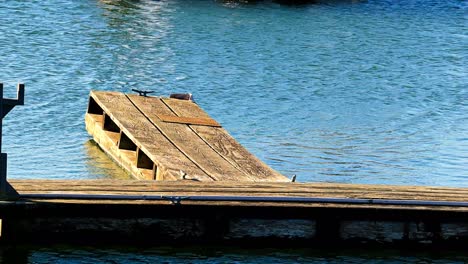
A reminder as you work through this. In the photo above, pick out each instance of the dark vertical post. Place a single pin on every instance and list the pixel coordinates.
(3, 174)
(5, 107)
(2, 158)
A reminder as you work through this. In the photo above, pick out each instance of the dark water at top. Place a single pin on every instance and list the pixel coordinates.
(338, 91)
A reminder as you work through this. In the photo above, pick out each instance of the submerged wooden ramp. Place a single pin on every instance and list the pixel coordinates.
(168, 139)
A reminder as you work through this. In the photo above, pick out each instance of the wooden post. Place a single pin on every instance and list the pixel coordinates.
(3, 171)
(3, 174)
(5, 107)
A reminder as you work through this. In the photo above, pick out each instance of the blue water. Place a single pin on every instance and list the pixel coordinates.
(337, 91)
(90, 255)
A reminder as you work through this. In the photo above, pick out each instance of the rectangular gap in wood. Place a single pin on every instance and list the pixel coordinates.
(126, 143)
(110, 125)
(143, 161)
(94, 108)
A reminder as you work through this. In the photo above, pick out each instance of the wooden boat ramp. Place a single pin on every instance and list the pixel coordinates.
(196, 184)
(168, 139)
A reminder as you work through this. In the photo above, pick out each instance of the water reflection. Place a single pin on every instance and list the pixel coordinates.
(100, 165)
(121, 3)
(130, 47)
(118, 13)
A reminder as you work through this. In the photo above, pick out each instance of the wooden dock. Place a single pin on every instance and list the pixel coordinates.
(248, 213)
(196, 184)
(168, 139)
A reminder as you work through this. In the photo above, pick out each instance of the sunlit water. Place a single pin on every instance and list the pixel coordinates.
(338, 91)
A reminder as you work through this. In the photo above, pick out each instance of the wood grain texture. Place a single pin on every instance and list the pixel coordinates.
(188, 120)
(223, 143)
(190, 188)
(188, 142)
(135, 125)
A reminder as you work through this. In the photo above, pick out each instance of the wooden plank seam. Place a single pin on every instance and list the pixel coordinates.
(189, 120)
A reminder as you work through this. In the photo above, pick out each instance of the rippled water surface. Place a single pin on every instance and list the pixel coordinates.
(336, 91)
(87, 255)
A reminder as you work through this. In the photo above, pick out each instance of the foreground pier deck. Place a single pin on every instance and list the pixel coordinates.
(231, 212)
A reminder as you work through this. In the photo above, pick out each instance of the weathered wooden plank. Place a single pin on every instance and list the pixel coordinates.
(168, 159)
(223, 143)
(253, 194)
(188, 188)
(221, 194)
(297, 186)
(312, 190)
(187, 141)
(265, 193)
(188, 120)
(84, 203)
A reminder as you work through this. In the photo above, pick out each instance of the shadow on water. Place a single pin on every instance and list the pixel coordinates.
(119, 11)
(101, 165)
(12, 254)
(121, 3)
